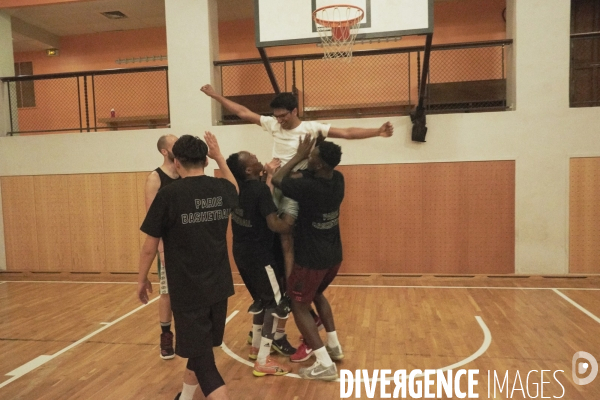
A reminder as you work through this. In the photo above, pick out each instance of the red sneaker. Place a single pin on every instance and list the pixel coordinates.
(302, 354)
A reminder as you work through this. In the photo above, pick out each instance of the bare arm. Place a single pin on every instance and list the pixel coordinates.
(214, 152)
(385, 130)
(147, 255)
(306, 144)
(238, 109)
(278, 225)
(152, 187)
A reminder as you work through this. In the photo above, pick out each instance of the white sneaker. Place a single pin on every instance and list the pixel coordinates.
(335, 353)
(318, 371)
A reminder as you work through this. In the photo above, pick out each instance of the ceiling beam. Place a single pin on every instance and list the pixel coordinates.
(35, 33)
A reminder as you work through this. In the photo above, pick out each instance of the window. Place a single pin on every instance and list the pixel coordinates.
(585, 53)
(25, 89)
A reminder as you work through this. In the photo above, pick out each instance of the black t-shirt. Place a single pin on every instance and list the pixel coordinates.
(317, 242)
(191, 216)
(252, 237)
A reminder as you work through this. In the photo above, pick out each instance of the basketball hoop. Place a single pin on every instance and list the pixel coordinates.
(337, 26)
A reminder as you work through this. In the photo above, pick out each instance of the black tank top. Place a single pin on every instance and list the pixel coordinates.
(164, 178)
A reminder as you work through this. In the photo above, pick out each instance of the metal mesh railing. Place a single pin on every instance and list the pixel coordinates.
(466, 79)
(89, 101)
(463, 77)
(343, 89)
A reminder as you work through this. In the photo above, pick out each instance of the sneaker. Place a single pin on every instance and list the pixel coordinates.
(249, 340)
(318, 371)
(283, 347)
(271, 367)
(282, 311)
(335, 353)
(302, 354)
(253, 355)
(166, 346)
(256, 307)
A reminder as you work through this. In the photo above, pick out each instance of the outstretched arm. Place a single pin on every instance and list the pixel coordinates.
(238, 109)
(385, 130)
(304, 149)
(214, 152)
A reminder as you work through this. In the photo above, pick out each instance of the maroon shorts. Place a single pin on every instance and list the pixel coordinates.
(305, 283)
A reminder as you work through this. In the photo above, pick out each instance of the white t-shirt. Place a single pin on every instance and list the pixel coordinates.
(286, 141)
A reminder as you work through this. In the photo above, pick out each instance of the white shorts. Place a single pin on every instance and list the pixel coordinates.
(162, 277)
(285, 205)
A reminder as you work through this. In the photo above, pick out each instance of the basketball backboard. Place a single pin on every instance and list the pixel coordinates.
(288, 22)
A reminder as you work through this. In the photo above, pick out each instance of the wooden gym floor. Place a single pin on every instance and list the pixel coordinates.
(93, 340)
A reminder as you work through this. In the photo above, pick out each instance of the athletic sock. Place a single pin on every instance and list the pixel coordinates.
(279, 333)
(264, 350)
(332, 339)
(256, 335)
(323, 357)
(187, 393)
(165, 327)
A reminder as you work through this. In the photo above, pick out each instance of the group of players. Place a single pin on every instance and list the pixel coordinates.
(297, 195)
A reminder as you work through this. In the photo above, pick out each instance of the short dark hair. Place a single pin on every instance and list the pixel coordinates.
(330, 153)
(236, 167)
(284, 100)
(190, 151)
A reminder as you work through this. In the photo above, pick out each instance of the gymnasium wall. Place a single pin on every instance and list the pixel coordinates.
(540, 136)
(396, 218)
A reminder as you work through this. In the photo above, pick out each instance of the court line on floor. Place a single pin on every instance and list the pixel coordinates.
(364, 286)
(116, 283)
(577, 305)
(487, 340)
(41, 360)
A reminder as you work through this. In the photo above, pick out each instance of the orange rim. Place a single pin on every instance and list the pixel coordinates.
(334, 24)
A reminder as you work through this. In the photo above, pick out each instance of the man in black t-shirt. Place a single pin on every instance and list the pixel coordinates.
(191, 216)
(253, 224)
(319, 191)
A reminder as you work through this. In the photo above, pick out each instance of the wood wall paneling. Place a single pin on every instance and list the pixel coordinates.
(121, 222)
(86, 215)
(18, 207)
(52, 222)
(584, 215)
(141, 206)
(396, 218)
(429, 218)
(491, 228)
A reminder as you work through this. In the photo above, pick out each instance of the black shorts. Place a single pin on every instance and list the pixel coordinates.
(199, 330)
(262, 281)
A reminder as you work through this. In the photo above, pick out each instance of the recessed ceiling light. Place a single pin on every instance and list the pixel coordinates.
(114, 14)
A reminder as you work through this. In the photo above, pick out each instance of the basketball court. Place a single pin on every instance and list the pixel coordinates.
(521, 334)
(74, 340)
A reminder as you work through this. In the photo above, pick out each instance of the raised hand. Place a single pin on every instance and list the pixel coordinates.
(306, 145)
(208, 90)
(272, 166)
(214, 151)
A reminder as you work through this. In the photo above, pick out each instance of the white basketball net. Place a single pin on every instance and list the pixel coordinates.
(337, 27)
